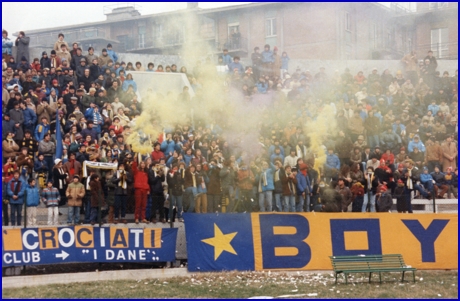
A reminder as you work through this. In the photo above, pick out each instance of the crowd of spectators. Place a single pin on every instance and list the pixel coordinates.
(396, 137)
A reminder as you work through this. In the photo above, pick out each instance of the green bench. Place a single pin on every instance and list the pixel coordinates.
(370, 264)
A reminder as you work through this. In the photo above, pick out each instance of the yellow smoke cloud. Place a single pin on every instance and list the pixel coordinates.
(325, 123)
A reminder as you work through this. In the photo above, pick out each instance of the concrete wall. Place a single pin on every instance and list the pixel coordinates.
(313, 65)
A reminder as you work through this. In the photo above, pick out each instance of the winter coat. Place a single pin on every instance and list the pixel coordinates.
(40, 131)
(75, 193)
(30, 118)
(11, 187)
(96, 194)
(267, 57)
(44, 111)
(8, 126)
(303, 184)
(270, 186)
(33, 196)
(18, 117)
(141, 178)
(103, 60)
(245, 179)
(332, 161)
(116, 180)
(7, 46)
(51, 197)
(127, 83)
(156, 182)
(22, 45)
(227, 177)
(433, 152)
(175, 183)
(90, 115)
(9, 149)
(113, 55)
(40, 166)
(419, 145)
(214, 186)
(21, 161)
(449, 151)
(47, 148)
(384, 202)
(347, 197)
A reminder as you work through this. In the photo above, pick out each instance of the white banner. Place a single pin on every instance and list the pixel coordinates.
(97, 165)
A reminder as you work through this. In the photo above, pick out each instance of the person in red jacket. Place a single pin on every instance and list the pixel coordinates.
(141, 189)
(157, 154)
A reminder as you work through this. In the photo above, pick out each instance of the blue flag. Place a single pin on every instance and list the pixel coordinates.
(58, 137)
(219, 242)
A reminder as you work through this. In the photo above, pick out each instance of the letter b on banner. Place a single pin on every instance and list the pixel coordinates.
(283, 241)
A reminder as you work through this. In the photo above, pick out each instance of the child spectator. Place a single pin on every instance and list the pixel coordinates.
(51, 198)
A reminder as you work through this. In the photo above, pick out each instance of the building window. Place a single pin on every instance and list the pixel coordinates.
(158, 31)
(142, 40)
(141, 30)
(439, 42)
(437, 5)
(270, 27)
(347, 21)
(374, 36)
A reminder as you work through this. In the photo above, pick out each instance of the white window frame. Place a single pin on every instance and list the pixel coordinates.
(347, 21)
(142, 40)
(444, 46)
(374, 36)
(272, 21)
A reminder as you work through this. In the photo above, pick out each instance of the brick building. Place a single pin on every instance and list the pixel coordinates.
(308, 30)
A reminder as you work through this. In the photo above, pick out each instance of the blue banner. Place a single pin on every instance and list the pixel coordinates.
(219, 242)
(304, 241)
(74, 244)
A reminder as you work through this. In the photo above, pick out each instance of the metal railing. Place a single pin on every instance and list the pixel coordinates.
(441, 51)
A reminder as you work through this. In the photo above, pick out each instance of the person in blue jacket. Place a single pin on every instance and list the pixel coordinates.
(168, 145)
(236, 65)
(7, 44)
(284, 63)
(416, 142)
(41, 129)
(226, 58)
(265, 187)
(304, 188)
(427, 180)
(129, 81)
(111, 53)
(32, 201)
(16, 189)
(92, 115)
(332, 165)
(30, 117)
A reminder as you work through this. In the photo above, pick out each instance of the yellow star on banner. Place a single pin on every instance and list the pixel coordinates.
(220, 242)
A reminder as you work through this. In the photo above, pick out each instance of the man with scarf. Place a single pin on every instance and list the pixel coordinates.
(72, 166)
(410, 177)
(121, 179)
(266, 187)
(15, 190)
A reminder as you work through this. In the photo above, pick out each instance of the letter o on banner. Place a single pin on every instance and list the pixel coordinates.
(61, 237)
